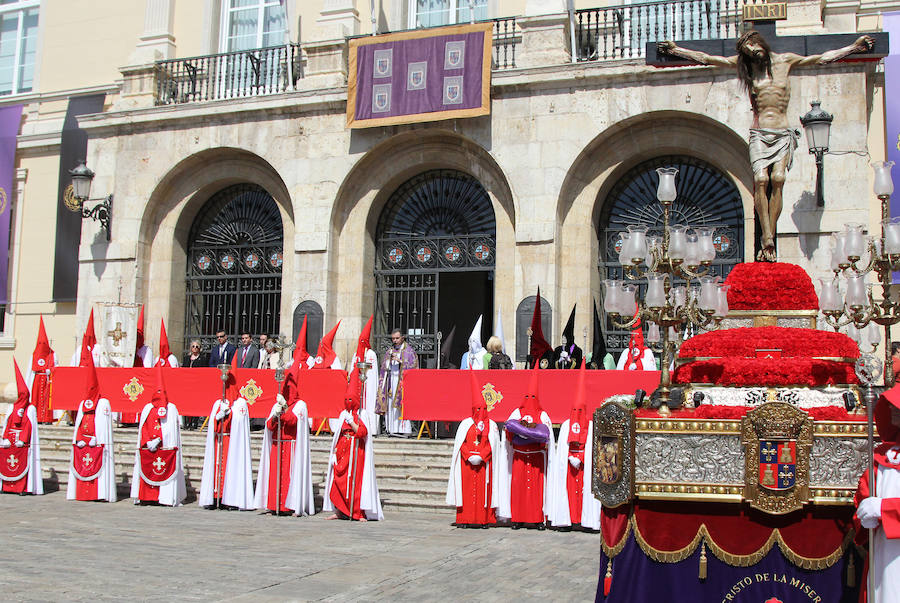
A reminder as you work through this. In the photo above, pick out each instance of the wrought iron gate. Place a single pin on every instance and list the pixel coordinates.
(705, 197)
(235, 254)
(439, 221)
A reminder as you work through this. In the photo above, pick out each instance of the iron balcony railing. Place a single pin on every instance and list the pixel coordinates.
(617, 32)
(505, 40)
(228, 75)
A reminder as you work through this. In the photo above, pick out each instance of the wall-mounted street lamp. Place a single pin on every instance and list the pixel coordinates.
(817, 124)
(81, 193)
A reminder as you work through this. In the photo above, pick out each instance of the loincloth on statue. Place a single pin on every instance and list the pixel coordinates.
(769, 146)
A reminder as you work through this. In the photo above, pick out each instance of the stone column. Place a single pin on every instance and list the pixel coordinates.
(338, 18)
(158, 40)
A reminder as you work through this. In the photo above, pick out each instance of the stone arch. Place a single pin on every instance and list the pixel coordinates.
(369, 185)
(166, 223)
(610, 155)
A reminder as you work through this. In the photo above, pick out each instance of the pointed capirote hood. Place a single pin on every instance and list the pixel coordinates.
(88, 340)
(325, 355)
(569, 331)
(92, 388)
(531, 404)
(363, 343)
(598, 351)
(578, 416)
(479, 407)
(140, 331)
(42, 357)
(164, 350)
(475, 344)
(539, 345)
(300, 354)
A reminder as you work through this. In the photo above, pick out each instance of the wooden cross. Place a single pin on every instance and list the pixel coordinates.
(117, 334)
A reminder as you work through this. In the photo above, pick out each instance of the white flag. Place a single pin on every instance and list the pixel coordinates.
(118, 334)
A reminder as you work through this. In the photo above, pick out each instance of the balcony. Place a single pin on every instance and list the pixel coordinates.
(601, 34)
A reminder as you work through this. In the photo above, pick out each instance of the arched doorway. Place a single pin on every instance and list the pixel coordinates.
(235, 257)
(434, 266)
(706, 196)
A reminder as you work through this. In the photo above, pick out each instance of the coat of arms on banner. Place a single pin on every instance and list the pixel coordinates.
(613, 442)
(384, 61)
(453, 90)
(416, 75)
(454, 53)
(381, 98)
(119, 333)
(778, 441)
(491, 396)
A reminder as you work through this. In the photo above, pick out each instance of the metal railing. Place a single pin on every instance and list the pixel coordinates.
(228, 75)
(617, 32)
(505, 40)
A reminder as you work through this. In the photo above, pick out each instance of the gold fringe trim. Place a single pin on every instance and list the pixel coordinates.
(807, 563)
(612, 551)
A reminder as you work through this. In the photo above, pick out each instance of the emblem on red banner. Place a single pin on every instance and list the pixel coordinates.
(491, 396)
(158, 467)
(87, 462)
(13, 463)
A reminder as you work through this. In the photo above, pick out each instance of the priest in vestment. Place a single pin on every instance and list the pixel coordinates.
(568, 355)
(879, 511)
(528, 449)
(43, 359)
(573, 502)
(351, 489)
(20, 446)
(638, 357)
(397, 359)
(283, 435)
(92, 471)
(158, 467)
(473, 487)
(227, 478)
(473, 358)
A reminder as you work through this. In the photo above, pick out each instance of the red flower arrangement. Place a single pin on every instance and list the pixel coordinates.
(770, 286)
(772, 372)
(743, 342)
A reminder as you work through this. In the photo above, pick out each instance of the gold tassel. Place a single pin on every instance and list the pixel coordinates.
(851, 572)
(702, 574)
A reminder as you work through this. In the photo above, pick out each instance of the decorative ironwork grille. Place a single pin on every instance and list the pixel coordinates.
(235, 255)
(439, 221)
(705, 197)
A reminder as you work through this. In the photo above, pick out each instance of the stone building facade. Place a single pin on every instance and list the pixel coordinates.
(562, 137)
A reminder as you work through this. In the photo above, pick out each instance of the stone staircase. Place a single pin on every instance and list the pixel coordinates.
(412, 474)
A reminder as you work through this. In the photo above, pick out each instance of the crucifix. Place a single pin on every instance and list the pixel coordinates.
(763, 63)
(117, 334)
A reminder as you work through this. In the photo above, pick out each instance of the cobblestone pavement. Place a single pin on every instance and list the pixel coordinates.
(55, 550)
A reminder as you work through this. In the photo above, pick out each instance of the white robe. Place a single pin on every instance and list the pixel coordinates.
(559, 508)
(648, 361)
(504, 509)
(887, 551)
(300, 491)
(34, 483)
(455, 495)
(173, 492)
(477, 359)
(237, 491)
(392, 421)
(369, 499)
(369, 393)
(106, 479)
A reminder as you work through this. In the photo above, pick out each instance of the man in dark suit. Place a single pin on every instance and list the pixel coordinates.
(223, 351)
(248, 353)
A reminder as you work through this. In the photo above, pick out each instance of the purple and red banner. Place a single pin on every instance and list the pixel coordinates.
(193, 391)
(10, 120)
(415, 76)
(446, 395)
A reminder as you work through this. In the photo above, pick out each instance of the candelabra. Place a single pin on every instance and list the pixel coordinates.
(853, 258)
(682, 253)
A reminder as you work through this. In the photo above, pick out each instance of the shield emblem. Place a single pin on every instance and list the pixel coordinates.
(381, 101)
(491, 396)
(382, 65)
(453, 92)
(87, 462)
(158, 468)
(416, 78)
(13, 463)
(777, 464)
(609, 459)
(454, 56)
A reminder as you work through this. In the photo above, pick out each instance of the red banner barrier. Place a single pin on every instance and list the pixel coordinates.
(445, 395)
(194, 390)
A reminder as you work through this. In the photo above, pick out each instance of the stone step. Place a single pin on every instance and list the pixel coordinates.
(412, 474)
